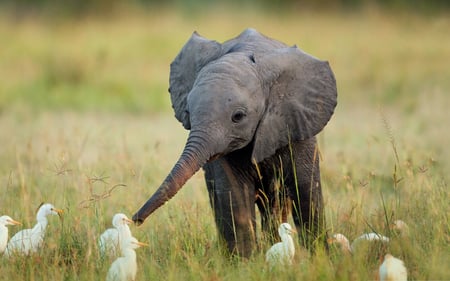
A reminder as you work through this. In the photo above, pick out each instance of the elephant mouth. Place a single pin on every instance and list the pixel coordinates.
(214, 157)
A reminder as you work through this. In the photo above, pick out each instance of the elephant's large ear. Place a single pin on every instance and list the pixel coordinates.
(301, 94)
(194, 55)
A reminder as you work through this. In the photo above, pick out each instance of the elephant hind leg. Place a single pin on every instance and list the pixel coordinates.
(306, 193)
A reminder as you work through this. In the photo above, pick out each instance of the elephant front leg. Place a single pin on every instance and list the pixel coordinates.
(234, 207)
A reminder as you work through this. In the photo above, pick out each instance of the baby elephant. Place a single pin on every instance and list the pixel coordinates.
(253, 106)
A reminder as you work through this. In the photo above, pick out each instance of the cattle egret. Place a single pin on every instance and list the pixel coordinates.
(282, 252)
(30, 240)
(5, 221)
(392, 269)
(372, 236)
(110, 240)
(124, 268)
(341, 240)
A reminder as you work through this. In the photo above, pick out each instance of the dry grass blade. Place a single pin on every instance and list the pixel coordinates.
(94, 198)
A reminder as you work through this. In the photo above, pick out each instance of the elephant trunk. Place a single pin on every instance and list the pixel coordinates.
(193, 157)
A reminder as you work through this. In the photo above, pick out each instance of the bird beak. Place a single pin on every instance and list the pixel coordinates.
(128, 221)
(141, 244)
(14, 222)
(59, 211)
(330, 240)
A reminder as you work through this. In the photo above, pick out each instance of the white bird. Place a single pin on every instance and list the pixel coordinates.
(392, 269)
(282, 253)
(341, 240)
(110, 241)
(30, 240)
(124, 268)
(372, 236)
(4, 221)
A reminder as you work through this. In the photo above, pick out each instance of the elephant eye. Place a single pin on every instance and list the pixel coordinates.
(238, 115)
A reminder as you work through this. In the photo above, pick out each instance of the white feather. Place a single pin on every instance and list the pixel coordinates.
(110, 240)
(341, 240)
(29, 241)
(392, 269)
(124, 268)
(4, 222)
(282, 253)
(372, 236)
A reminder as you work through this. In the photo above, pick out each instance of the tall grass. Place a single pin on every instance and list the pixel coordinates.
(71, 136)
(74, 161)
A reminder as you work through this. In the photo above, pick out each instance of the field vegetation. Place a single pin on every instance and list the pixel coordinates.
(87, 125)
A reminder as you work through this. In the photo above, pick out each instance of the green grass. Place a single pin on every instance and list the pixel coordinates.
(84, 111)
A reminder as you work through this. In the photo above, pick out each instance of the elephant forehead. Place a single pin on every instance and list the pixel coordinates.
(216, 93)
(236, 67)
(225, 91)
(226, 84)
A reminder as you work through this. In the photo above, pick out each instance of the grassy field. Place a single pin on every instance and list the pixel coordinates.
(86, 125)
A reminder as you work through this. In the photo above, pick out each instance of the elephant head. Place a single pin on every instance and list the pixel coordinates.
(248, 91)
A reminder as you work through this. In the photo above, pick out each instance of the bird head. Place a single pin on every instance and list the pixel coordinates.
(48, 209)
(120, 220)
(285, 228)
(7, 220)
(341, 240)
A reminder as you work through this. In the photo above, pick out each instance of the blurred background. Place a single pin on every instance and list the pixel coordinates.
(115, 55)
(390, 58)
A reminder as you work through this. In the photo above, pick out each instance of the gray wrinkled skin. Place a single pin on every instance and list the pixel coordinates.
(253, 106)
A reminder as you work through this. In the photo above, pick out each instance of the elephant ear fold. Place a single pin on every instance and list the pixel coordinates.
(301, 97)
(195, 54)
